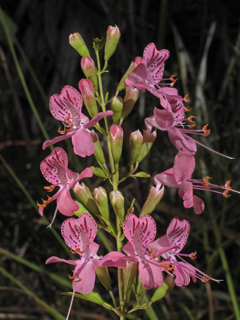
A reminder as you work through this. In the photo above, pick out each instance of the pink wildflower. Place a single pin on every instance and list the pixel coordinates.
(55, 171)
(79, 235)
(149, 72)
(179, 177)
(140, 232)
(67, 107)
(177, 234)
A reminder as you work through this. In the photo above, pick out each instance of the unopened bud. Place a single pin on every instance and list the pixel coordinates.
(148, 140)
(81, 209)
(103, 276)
(135, 144)
(117, 202)
(90, 71)
(130, 99)
(98, 152)
(129, 275)
(86, 88)
(77, 42)
(153, 199)
(113, 36)
(166, 286)
(116, 106)
(116, 139)
(98, 172)
(101, 199)
(85, 195)
(130, 69)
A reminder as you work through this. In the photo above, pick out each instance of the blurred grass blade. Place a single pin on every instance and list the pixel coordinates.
(200, 102)
(33, 203)
(21, 76)
(35, 267)
(230, 69)
(49, 309)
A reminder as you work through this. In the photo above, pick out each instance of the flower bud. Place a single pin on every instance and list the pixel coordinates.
(77, 42)
(129, 275)
(90, 71)
(135, 144)
(117, 202)
(113, 36)
(85, 195)
(167, 286)
(130, 99)
(98, 152)
(116, 138)
(103, 276)
(148, 140)
(86, 88)
(98, 172)
(81, 209)
(101, 199)
(116, 106)
(122, 84)
(153, 199)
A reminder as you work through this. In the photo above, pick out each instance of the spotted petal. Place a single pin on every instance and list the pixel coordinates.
(79, 233)
(155, 61)
(59, 103)
(144, 227)
(53, 166)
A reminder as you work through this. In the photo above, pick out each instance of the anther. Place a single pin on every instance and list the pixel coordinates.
(206, 132)
(186, 99)
(193, 255)
(173, 80)
(205, 181)
(225, 193)
(205, 279)
(49, 188)
(227, 184)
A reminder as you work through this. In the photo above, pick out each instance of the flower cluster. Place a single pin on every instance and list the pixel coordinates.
(144, 258)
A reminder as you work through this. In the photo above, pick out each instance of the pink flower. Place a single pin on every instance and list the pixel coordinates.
(140, 232)
(79, 235)
(180, 177)
(149, 72)
(67, 107)
(177, 234)
(55, 170)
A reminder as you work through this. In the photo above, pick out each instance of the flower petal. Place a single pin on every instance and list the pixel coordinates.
(82, 143)
(184, 164)
(150, 273)
(177, 233)
(65, 204)
(145, 228)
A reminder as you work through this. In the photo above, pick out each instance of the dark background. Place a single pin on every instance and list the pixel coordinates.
(207, 67)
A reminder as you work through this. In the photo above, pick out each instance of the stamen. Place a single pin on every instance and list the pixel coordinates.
(187, 110)
(205, 279)
(72, 277)
(225, 194)
(77, 250)
(186, 98)
(190, 119)
(205, 181)
(193, 255)
(227, 184)
(67, 119)
(49, 188)
(173, 80)
(41, 205)
(152, 254)
(206, 132)
(62, 131)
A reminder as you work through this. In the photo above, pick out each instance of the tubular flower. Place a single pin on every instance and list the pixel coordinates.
(55, 171)
(79, 235)
(140, 232)
(177, 234)
(67, 107)
(149, 73)
(171, 119)
(179, 176)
